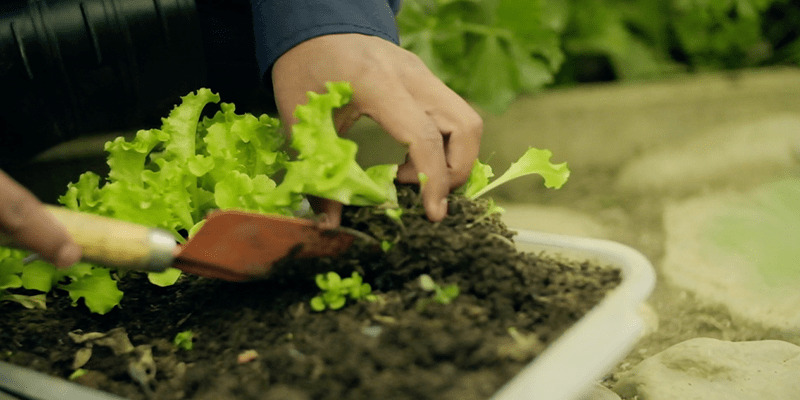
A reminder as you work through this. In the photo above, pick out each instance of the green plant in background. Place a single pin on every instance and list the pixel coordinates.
(632, 37)
(648, 38)
(184, 340)
(722, 34)
(488, 51)
(336, 291)
(82, 281)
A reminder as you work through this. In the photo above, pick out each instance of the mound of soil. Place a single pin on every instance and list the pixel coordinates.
(261, 340)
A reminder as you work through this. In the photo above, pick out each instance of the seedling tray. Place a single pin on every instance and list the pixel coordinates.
(603, 337)
(571, 364)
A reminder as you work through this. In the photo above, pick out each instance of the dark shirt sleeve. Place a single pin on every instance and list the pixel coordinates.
(280, 25)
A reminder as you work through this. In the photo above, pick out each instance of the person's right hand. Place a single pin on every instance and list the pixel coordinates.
(24, 219)
(396, 89)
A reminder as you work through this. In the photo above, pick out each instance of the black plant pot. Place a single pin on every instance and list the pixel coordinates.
(72, 67)
(75, 67)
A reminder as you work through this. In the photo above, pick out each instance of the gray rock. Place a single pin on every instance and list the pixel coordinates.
(739, 250)
(711, 369)
(739, 154)
(599, 392)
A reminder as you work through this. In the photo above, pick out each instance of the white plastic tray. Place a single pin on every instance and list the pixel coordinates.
(570, 365)
(603, 337)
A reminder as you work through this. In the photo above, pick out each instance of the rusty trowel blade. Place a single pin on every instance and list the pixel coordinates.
(238, 246)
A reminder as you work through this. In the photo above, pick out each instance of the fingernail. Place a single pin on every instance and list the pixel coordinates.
(68, 255)
(328, 221)
(439, 211)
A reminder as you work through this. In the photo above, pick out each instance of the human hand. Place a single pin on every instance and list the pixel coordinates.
(393, 87)
(25, 220)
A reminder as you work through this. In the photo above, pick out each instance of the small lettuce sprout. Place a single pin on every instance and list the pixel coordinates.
(77, 374)
(394, 213)
(442, 295)
(184, 340)
(336, 290)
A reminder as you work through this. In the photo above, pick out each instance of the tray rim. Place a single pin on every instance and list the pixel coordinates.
(592, 346)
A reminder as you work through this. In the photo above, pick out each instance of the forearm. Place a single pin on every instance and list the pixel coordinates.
(280, 25)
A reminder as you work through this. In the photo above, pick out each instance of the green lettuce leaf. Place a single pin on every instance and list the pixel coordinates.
(10, 268)
(164, 278)
(98, 290)
(93, 284)
(39, 275)
(534, 161)
(478, 179)
(326, 164)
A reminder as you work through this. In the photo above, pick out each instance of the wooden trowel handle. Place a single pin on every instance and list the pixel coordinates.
(116, 243)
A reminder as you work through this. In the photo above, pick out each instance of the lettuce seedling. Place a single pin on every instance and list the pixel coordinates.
(533, 161)
(442, 294)
(184, 340)
(336, 291)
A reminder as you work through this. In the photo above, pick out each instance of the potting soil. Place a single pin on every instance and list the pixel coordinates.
(261, 340)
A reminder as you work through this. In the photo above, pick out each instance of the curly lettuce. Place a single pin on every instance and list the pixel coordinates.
(326, 165)
(172, 176)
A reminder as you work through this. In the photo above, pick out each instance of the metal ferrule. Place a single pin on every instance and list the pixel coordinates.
(162, 250)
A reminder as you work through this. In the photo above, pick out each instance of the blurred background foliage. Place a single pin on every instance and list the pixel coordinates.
(490, 51)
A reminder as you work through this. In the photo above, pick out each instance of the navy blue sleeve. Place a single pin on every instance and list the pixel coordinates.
(280, 25)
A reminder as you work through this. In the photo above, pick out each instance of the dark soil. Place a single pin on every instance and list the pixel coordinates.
(402, 346)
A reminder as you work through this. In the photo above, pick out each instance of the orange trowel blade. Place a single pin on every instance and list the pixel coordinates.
(239, 246)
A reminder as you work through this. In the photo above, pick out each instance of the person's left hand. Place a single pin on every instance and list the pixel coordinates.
(24, 219)
(393, 87)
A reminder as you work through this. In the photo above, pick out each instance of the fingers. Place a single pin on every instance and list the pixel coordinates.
(463, 143)
(405, 121)
(395, 88)
(345, 117)
(25, 220)
(460, 124)
(330, 210)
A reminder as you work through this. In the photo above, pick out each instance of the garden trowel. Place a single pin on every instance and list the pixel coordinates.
(231, 245)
